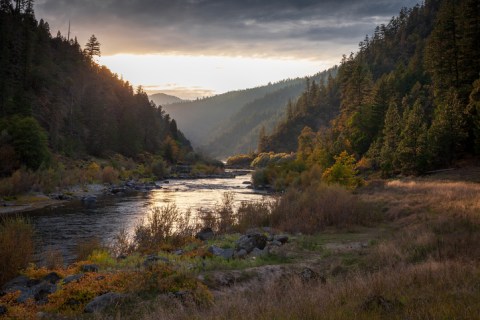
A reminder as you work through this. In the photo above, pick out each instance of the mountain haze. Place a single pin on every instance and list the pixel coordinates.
(239, 134)
(162, 99)
(229, 123)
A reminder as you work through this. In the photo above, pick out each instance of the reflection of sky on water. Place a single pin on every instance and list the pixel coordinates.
(62, 228)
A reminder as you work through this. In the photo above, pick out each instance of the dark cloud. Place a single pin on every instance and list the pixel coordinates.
(299, 28)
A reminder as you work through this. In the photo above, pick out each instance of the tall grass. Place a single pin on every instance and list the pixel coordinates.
(16, 246)
(319, 206)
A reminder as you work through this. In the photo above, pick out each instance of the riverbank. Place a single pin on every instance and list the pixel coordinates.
(89, 192)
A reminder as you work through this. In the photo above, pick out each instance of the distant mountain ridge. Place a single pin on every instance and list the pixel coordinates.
(240, 133)
(229, 123)
(161, 99)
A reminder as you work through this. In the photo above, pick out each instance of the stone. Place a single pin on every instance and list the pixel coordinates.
(16, 284)
(259, 253)
(153, 259)
(73, 277)
(276, 243)
(205, 234)
(89, 199)
(251, 241)
(104, 301)
(281, 238)
(219, 252)
(308, 275)
(52, 278)
(90, 268)
(178, 252)
(241, 254)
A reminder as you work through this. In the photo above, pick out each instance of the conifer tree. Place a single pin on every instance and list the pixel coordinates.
(412, 147)
(92, 47)
(391, 137)
(447, 133)
(474, 110)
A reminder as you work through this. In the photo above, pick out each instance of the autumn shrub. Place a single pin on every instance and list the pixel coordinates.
(86, 247)
(21, 181)
(53, 258)
(163, 227)
(225, 213)
(16, 246)
(109, 175)
(159, 168)
(240, 160)
(343, 172)
(253, 214)
(93, 172)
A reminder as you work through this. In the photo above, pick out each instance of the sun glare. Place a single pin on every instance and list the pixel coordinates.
(196, 76)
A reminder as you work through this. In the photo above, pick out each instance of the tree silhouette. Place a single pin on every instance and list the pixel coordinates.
(92, 47)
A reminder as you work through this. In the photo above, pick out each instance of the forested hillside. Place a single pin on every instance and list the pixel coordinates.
(54, 98)
(204, 120)
(239, 134)
(408, 100)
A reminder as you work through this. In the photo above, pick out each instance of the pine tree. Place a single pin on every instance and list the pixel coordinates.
(447, 133)
(442, 50)
(92, 47)
(391, 137)
(412, 147)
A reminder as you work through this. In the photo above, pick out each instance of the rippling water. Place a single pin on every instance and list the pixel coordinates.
(60, 229)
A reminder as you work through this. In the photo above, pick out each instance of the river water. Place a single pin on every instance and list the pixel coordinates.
(61, 229)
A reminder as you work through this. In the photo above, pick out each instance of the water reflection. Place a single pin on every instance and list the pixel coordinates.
(62, 228)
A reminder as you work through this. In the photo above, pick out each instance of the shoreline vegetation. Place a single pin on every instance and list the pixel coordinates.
(391, 249)
(26, 190)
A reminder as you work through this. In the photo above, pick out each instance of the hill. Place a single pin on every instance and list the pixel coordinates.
(240, 133)
(54, 98)
(162, 99)
(407, 102)
(202, 118)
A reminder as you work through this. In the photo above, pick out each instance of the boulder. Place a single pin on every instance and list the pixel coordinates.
(276, 243)
(104, 301)
(89, 199)
(89, 268)
(154, 259)
(282, 238)
(52, 278)
(241, 254)
(73, 277)
(219, 252)
(251, 241)
(308, 275)
(205, 234)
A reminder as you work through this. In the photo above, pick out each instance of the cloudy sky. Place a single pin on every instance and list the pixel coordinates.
(202, 47)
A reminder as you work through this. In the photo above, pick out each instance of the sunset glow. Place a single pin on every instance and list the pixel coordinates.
(191, 77)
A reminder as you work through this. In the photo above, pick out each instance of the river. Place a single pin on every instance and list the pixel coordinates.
(61, 229)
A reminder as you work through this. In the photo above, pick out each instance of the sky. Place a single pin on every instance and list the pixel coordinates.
(197, 48)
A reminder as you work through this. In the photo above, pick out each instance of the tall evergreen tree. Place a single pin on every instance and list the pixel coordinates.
(447, 134)
(391, 137)
(412, 148)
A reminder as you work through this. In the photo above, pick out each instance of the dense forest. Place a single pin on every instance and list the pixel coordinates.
(407, 102)
(55, 99)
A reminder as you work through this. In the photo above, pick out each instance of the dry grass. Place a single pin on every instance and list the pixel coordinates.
(16, 246)
(426, 291)
(320, 206)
